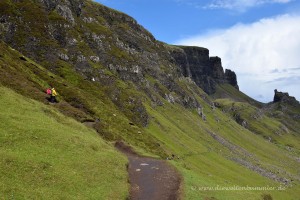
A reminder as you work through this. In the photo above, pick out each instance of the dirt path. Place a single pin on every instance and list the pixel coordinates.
(150, 179)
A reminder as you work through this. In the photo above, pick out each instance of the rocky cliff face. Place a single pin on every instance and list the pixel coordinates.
(206, 71)
(103, 46)
(283, 97)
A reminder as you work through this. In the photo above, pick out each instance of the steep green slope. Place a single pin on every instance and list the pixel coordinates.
(220, 152)
(84, 101)
(45, 155)
(229, 92)
(263, 122)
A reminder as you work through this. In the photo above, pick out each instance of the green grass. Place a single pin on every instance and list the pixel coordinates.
(45, 155)
(260, 122)
(229, 92)
(205, 162)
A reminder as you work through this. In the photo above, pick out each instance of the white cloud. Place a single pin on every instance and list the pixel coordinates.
(264, 54)
(240, 5)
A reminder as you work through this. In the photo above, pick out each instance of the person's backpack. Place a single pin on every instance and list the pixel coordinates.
(48, 91)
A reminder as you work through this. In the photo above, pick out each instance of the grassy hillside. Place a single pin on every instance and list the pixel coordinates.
(45, 155)
(229, 92)
(227, 160)
(111, 74)
(80, 99)
(263, 123)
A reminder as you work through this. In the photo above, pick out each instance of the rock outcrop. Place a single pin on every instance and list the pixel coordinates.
(231, 78)
(206, 71)
(283, 97)
(80, 31)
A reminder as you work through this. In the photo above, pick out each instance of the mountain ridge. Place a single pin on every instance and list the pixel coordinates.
(207, 72)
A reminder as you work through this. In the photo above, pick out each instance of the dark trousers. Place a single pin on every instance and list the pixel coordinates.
(53, 99)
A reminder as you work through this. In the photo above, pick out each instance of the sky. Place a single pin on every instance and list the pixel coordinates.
(258, 39)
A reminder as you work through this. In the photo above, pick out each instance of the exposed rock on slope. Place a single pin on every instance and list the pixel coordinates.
(92, 39)
(206, 71)
(283, 97)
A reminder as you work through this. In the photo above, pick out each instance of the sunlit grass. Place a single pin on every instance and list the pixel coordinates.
(204, 162)
(45, 155)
